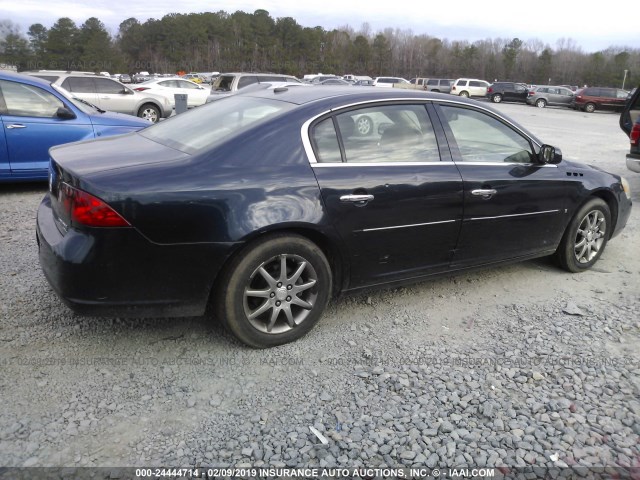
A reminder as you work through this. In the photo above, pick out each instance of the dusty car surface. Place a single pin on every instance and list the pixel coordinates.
(269, 203)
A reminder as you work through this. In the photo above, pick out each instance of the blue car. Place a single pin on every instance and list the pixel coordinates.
(36, 116)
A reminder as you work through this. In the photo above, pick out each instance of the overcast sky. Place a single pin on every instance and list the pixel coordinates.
(590, 28)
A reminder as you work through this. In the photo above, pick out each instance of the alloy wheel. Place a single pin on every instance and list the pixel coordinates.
(590, 236)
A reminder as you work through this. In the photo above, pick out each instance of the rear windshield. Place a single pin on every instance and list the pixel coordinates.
(208, 126)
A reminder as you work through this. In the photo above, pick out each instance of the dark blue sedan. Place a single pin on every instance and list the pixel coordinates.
(36, 116)
(267, 204)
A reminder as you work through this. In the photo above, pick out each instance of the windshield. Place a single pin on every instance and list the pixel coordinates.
(82, 105)
(210, 125)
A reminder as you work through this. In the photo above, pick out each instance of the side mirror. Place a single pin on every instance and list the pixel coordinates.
(65, 114)
(549, 154)
(126, 91)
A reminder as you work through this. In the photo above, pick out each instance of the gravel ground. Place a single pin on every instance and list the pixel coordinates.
(522, 365)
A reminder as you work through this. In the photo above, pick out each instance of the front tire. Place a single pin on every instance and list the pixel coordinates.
(497, 98)
(541, 103)
(275, 291)
(149, 112)
(586, 237)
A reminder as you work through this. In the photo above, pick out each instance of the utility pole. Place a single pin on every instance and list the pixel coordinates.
(624, 78)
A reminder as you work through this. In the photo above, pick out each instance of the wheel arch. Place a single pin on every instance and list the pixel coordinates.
(337, 261)
(610, 199)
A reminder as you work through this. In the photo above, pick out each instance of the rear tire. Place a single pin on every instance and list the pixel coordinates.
(497, 98)
(590, 108)
(464, 93)
(275, 291)
(541, 103)
(586, 237)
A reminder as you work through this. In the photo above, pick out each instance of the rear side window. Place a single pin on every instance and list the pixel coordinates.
(462, 83)
(247, 80)
(475, 83)
(79, 85)
(384, 133)
(432, 82)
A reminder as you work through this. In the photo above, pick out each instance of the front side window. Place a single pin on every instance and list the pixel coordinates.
(482, 138)
(29, 101)
(106, 86)
(384, 133)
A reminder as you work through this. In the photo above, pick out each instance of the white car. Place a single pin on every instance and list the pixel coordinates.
(469, 87)
(388, 81)
(168, 87)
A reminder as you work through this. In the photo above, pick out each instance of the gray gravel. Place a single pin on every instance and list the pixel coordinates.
(522, 365)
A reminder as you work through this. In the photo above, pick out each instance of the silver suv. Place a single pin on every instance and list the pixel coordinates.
(232, 82)
(469, 87)
(109, 94)
(550, 95)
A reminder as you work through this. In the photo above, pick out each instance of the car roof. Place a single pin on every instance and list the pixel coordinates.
(28, 79)
(302, 96)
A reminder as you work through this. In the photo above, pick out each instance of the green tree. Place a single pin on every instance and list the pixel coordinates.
(510, 55)
(94, 45)
(62, 45)
(14, 50)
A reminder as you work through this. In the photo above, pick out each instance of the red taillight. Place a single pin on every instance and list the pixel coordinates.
(635, 134)
(453, 88)
(141, 89)
(531, 93)
(489, 90)
(85, 209)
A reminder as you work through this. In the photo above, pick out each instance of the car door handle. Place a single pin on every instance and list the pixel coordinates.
(356, 198)
(16, 125)
(485, 193)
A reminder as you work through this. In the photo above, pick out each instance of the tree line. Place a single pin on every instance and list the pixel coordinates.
(240, 41)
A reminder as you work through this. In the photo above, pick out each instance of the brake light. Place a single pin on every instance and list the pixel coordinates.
(453, 88)
(141, 89)
(489, 90)
(85, 209)
(635, 134)
(531, 93)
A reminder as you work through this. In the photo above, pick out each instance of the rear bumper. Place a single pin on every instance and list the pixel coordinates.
(633, 162)
(118, 272)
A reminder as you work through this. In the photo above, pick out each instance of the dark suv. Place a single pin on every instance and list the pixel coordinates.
(630, 124)
(591, 99)
(507, 91)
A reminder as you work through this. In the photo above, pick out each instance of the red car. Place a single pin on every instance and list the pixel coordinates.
(591, 99)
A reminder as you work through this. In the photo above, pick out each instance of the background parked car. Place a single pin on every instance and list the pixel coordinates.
(555, 96)
(231, 82)
(630, 124)
(389, 82)
(195, 77)
(168, 87)
(108, 94)
(364, 83)
(442, 85)
(469, 87)
(125, 78)
(36, 115)
(508, 92)
(591, 99)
